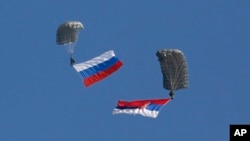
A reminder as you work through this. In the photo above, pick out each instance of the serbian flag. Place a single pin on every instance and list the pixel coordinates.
(98, 68)
(147, 108)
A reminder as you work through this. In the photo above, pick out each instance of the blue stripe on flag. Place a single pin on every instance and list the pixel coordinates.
(151, 107)
(154, 107)
(99, 67)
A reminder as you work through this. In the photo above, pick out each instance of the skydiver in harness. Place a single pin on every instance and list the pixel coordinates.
(171, 93)
(72, 61)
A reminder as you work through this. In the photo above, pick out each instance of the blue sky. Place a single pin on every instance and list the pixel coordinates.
(43, 98)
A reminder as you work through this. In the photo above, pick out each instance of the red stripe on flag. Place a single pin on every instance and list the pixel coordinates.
(101, 75)
(139, 103)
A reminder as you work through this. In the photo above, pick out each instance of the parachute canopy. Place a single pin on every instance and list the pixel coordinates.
(67, 34)
(174, 69)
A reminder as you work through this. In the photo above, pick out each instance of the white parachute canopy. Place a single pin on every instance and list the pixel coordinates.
(67, 34)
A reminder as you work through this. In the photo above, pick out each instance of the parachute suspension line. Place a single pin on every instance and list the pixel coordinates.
(71, 48)
(181, 72)
(171, 76)
(171, 79)
(166, 74)
(176, 70)
(177, 67)
(71, 51)
(74, 43)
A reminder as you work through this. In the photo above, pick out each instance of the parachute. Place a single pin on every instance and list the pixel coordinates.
(174, 69)
(67, 34)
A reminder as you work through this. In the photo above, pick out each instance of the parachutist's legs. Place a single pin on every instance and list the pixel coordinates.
(171, 94)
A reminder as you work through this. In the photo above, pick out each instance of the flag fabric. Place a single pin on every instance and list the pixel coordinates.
(147, 108)
(98, 68)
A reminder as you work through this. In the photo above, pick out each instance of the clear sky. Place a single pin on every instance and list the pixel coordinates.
(43, 99)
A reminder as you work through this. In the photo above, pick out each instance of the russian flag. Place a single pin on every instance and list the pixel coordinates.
(147, 108)
(98, 68)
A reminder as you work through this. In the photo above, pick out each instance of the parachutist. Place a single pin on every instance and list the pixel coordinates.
(72, 61)
(171, 94)
(67, 35)
(174, 69)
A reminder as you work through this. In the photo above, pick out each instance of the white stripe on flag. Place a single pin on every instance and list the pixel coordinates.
(95, 61)
(144, 112)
